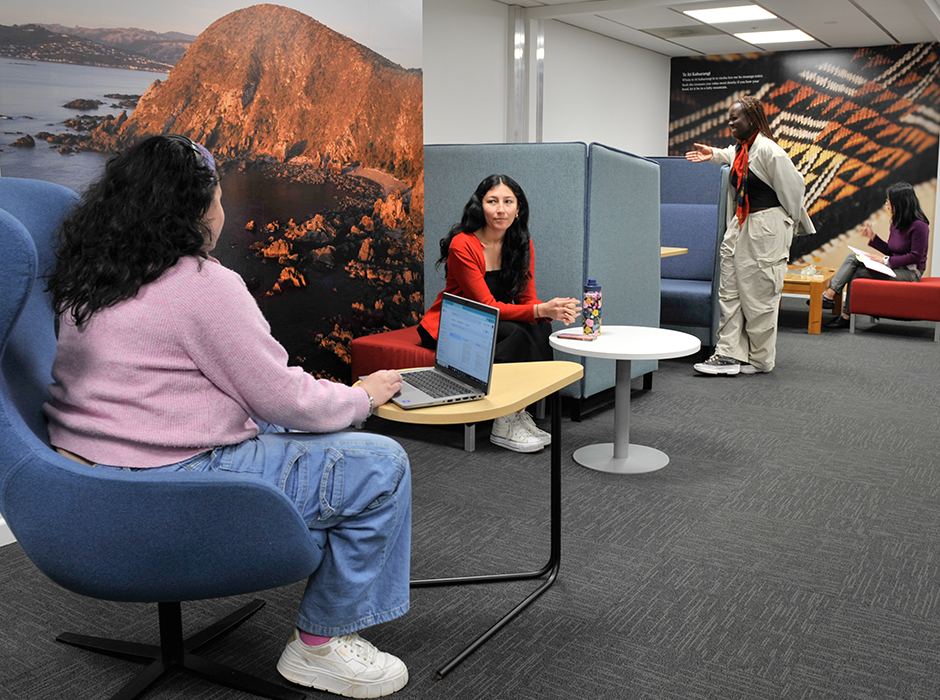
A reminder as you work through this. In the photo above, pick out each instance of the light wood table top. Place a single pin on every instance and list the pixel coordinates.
(669, 251)
(515, 386)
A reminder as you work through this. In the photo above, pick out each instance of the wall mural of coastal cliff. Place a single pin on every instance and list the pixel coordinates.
(319, 141)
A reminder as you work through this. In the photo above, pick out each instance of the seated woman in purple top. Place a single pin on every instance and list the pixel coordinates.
(164, 362)
(905, 252)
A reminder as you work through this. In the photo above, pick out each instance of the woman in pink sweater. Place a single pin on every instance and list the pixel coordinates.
(164, 361)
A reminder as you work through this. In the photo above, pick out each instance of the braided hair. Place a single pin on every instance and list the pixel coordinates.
(754, 109)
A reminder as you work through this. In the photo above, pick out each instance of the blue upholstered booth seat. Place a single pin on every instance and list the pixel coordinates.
(686, 284)
(692, 215)
(688, 301)
(690, 226)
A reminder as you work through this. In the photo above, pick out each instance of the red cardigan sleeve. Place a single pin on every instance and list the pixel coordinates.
(466, 268)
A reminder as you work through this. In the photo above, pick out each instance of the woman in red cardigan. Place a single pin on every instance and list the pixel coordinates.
(488, 257)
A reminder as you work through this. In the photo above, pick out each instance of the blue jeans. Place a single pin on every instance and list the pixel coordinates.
(353, 489)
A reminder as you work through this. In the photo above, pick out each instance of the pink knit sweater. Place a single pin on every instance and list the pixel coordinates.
(179, 369)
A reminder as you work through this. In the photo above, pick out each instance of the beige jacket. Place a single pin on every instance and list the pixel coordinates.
(771, 164)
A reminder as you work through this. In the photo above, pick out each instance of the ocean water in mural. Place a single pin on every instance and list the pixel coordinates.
(32, 99)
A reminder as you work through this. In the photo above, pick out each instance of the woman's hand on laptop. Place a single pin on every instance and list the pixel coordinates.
(381, 385)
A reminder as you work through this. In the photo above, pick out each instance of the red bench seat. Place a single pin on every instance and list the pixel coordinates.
(398, 349)
(913, 301)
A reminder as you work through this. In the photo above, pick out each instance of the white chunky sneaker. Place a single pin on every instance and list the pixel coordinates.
(346, 665)
(510, 432)
(530, 425)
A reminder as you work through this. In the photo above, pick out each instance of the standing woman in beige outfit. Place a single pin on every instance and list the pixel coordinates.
(766, 210)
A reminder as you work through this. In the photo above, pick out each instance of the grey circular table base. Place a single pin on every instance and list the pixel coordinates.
(639, 460)
(624, 344)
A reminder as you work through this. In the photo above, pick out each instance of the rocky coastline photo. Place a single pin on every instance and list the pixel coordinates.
(287, 105)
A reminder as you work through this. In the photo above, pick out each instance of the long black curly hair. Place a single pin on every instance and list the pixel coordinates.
(514, 263)
(144, 213)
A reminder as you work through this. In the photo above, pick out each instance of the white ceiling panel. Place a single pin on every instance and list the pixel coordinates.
(658, 25)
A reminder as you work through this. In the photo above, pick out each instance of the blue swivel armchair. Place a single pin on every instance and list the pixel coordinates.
(116, 535)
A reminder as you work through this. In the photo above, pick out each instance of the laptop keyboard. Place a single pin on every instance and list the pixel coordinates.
(435, 384)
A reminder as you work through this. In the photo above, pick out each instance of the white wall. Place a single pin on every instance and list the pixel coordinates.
(465, 71)
(602, 90)
(6, 537)
(596, 89)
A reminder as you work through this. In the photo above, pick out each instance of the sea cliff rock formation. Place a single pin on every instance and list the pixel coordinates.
(270, 90)
(270, 81)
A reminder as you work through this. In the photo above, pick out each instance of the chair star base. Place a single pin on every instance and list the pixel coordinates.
(174, 652)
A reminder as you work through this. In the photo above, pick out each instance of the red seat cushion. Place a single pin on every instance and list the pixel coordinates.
(398, 349)
(918, 301)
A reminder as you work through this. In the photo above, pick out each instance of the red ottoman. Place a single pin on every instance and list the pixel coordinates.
(913, 301)
(399, 349)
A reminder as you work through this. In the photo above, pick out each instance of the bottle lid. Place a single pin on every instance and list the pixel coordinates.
(592, 284)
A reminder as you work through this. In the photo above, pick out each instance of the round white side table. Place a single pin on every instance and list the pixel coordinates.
(625, 344)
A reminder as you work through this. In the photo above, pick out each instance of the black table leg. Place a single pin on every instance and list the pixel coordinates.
(551, 566)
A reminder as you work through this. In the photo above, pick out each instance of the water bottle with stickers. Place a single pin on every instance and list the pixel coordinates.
(591, 308)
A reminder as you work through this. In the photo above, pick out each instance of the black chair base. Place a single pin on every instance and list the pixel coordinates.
(174, 652)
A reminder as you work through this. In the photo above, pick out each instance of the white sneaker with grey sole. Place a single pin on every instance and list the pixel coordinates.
(347, 665)
(718, 364)
(510, 432)
(530, 425)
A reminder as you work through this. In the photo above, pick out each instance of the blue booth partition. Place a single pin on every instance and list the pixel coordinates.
(693, 208)
(594, 212)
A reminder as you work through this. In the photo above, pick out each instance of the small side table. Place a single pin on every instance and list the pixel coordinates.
(812, 286)
(515, 386)
(625, 344)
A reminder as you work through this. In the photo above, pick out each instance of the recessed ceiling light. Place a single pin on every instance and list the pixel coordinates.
(720, 15)
(781, 37)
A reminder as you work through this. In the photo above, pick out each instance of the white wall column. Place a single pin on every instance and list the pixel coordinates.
(518, 112)
(539, 80)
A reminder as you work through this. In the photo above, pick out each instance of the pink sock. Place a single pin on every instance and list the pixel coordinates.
(313, 640)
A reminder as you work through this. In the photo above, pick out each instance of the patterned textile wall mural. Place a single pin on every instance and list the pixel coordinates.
(318, 136)
(853, 121)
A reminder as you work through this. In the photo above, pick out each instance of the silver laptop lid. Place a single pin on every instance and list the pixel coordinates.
(466, 341)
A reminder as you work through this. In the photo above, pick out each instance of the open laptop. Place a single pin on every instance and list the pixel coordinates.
(463, 362)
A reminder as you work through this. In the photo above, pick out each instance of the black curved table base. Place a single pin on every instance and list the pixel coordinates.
(550, 569)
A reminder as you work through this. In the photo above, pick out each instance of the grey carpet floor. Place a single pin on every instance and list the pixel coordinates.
(788, 550)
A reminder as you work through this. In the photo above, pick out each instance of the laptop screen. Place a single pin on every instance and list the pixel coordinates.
(467, 339)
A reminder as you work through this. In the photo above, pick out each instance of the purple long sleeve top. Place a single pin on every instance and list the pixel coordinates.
(907, 247)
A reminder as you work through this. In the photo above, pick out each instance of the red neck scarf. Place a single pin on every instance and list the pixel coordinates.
(743, 207)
